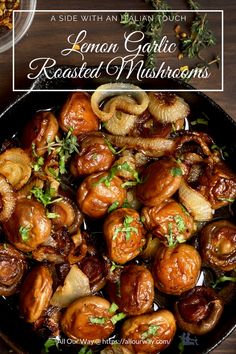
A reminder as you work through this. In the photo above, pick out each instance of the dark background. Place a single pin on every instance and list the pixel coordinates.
(225, 99)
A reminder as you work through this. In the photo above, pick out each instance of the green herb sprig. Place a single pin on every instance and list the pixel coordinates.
(126, 229)
(24, 232)
(46, 197)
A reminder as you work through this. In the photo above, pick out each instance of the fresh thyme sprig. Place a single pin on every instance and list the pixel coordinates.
(64, 148)
(200, 36)
(151, 29)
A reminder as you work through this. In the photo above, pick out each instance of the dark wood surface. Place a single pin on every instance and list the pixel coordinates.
(225, 99)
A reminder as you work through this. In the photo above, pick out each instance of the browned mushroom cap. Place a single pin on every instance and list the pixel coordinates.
(94, 156)
(176, 269)
(161, 180)
(136, 290)
(166, 217)
(124, 234)
(199, 310)
(218, 245)
(41, 130)
(77, 114)
(116, 349)
(35, 293)
(28, 227)
(12, 268)
(149, 333)
(88, 319)
(98, 192)
(15, 166)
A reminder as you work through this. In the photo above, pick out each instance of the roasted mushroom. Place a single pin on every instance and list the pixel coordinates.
(136, 290)
(149, 333)
(35, 293)
(88, 319)
(28, 227)
(13, 266)
(218, 245)
(199, 310)
(94, 156)
(176, 269)
(169, 221)
(39, 131)
(161, 180)
(15, 166)
(124, 235)
(218, 185)
(94, 268)
(98, 192)
(77, 114)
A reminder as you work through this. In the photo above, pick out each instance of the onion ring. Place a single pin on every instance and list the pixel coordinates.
(119, 90)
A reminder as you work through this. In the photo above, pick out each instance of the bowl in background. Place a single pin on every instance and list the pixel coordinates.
(22, 24)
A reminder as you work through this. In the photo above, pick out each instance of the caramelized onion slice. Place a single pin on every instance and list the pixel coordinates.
(155, 147)
(120, 123)
(7, 199)
(76, 285)
(167, 107)
(197, 205)
(15, 166)
(119, 104)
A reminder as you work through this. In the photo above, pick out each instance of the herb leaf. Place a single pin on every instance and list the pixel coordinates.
(202, 121)
(152, 330)
(118, 317)
(85, 350)
(115, 266)
(176, 171)
(113, 308)
(180, 223)
(45, 197)
(24, 232)
(113, 206)
(97, 320)
(51, 342)
(223, 279)
(127, 229)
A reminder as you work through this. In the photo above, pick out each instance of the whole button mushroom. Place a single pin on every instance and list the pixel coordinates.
(124, 235)
(36, 293)
(176, 269)
(161, 179)
(88, 319)
(98, 192)
(150, 333)
(136, 290)
(29, 226)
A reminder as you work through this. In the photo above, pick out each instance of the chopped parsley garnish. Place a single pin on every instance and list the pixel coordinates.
(51, 342)
(85, 350)
(230, 200)
(223, 279)
(38, 160)
(201, 121)
(180, 223)
(24, 232)
(184, 209)
(119, 317)
(126, 204)
(113, 171)
(113, 308)
(113, 206)
(111, 147)
(115, 266)
(176, 171)
(152, 331)
(142, 219)
(171, 240)
(181, 346)
(97, 320)
(45, 197)
(51, 215)
(127, 229)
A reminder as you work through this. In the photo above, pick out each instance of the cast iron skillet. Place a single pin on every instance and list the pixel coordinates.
(221, 127)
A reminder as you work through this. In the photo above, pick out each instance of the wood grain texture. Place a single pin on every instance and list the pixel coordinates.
(225, 99)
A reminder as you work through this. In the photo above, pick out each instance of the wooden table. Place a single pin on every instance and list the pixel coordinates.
(225, 99)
